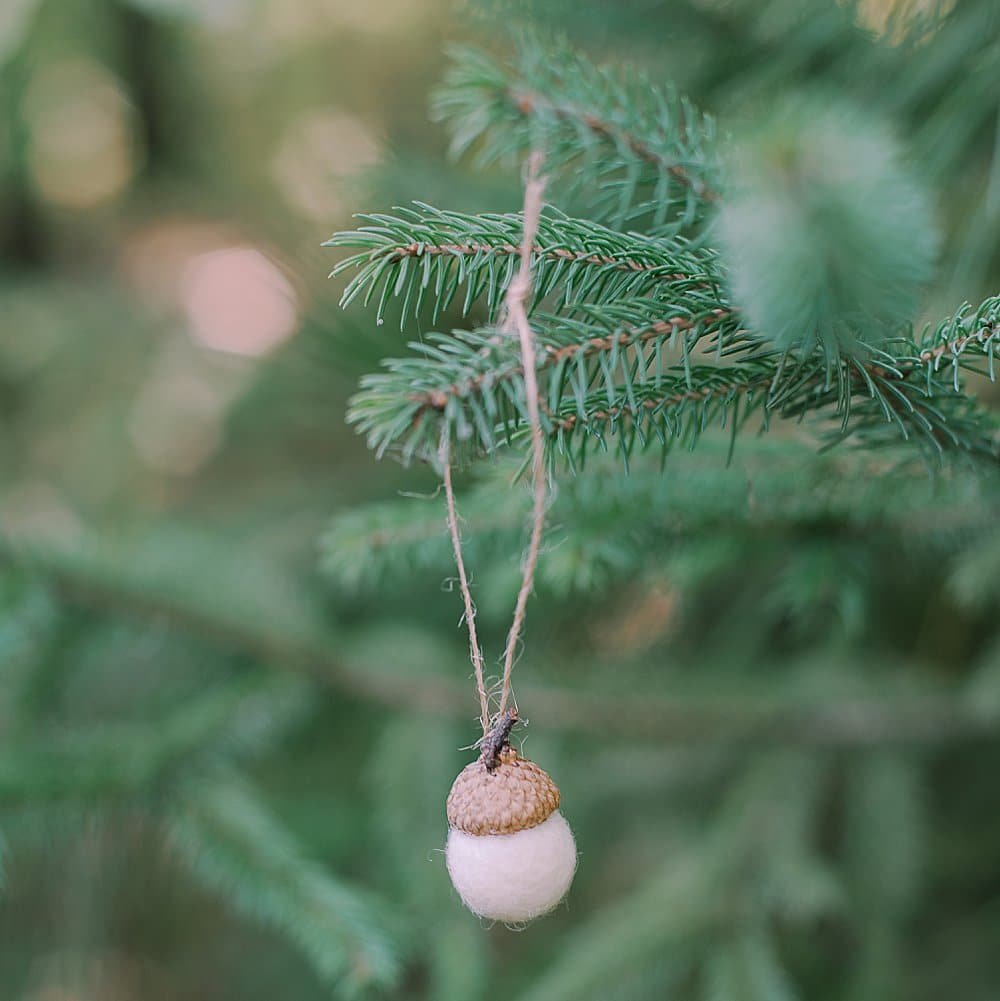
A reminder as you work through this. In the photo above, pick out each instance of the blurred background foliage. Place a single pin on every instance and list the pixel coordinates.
(232, 693)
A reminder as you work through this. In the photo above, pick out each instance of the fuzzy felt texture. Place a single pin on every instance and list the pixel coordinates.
(513, 877)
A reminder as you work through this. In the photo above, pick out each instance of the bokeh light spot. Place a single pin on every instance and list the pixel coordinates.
(237, 300)
(319, 149)
(81, 149)
(895, 19)
(385, 17)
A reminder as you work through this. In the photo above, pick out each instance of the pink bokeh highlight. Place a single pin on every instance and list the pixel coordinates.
(238, 301)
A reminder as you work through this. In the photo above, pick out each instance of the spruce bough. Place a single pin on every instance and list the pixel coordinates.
(642, 339)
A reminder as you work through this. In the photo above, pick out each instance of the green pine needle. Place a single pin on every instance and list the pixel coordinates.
(236, 847)
(625, 377)
(636, 150)
(424, 253)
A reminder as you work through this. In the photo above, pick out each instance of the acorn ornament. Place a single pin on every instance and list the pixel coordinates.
(510, 853)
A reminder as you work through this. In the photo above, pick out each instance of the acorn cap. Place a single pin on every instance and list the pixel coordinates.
(512, 797)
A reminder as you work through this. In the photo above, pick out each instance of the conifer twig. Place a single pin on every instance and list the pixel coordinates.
(423, 250)
(498, 738)
(530, 104)
(625, 337)
(859, 722)
(633, 148)
(557, 254)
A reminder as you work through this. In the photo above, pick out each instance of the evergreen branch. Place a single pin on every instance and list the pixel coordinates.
(675, 906)
(677, 407)
(566, 348)
(914, 405)
(474, 383)
(235, 846)
(383, 545)
(425, 249)
(368, 546)
(969, 333)
(130, 759)
(473, 380)
(608, 372)
(736, 872)
(865, 399)
(886, 822)
(925, 719)
(637, 148)
(744, 966)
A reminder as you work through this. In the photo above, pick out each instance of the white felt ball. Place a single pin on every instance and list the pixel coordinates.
(513, 877)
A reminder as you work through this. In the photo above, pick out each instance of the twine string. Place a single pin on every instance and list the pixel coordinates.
(518, 293)
(475, 650)
(516, 323)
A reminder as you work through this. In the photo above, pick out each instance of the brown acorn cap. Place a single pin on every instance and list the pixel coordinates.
(511, 797)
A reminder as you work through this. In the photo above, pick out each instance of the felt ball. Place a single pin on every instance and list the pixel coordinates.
(510, 853)
(513, 877)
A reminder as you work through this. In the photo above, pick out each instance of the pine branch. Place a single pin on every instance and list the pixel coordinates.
(967, 339)
(674, 906)
(886, 824)
(232, 843)
(637, 149)
(609, 374)
(425, 250)
(922, 719)
(676, 409)
(621, 298)
(624, 299)
(27, 621)
(861, 400)
(684, 907)
(131, 759)
(384, 545)
(473, 380)
(746, 968)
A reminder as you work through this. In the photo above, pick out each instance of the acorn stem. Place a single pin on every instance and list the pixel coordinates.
(497, 739)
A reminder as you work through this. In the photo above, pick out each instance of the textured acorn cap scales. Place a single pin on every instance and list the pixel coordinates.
(511, 797)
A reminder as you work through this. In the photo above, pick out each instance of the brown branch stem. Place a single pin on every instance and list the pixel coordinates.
(497, 739)
(612, 413)
(417, 250)
(438, 399)
(931, 356)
